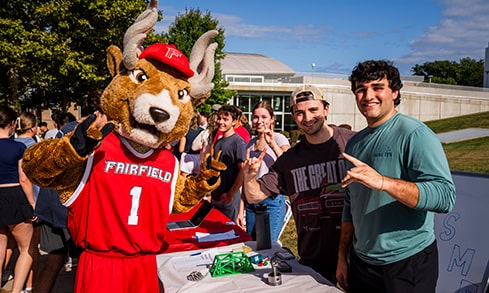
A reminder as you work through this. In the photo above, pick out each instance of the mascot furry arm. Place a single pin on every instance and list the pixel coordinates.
(149, 102)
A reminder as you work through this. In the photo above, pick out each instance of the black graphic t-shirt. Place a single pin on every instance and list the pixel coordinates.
(310, 174)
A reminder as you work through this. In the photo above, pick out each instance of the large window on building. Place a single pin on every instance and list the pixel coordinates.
(280, 105)
(243, 102)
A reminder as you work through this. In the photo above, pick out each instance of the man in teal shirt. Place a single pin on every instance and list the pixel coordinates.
(398, 178)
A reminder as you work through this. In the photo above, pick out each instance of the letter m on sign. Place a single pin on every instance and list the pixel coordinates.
(463, 261)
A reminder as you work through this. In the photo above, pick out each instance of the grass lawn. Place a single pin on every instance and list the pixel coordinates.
(467, 156)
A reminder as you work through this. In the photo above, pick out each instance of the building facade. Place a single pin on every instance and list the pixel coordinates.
(256, 77)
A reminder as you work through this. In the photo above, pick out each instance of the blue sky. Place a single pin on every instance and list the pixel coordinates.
(335, 35)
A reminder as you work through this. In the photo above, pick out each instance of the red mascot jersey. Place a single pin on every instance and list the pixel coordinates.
(120, 210)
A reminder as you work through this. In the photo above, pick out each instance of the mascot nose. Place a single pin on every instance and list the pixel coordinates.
(158, 114)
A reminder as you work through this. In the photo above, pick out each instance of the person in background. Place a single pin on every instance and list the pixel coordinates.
(26, 133)
(276, 144)
(242, 128)
(227, 197)
(174, 147)
(67, 123)
(239, 127)
(11, 255)
(346, 125)
(51, 133)
(204, 116)
(43, 128)
(190, 160)
(244, 123)
(27, 130)
(310, 174)
(16, 199)
(203, 142)
(397, 178)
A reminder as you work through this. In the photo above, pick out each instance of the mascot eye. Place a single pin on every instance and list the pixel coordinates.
(138, 76)
(183, 95)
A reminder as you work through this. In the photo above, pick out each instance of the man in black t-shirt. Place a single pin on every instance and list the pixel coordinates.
(310, 174)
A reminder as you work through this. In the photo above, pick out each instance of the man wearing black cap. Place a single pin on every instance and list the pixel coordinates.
(310, 174)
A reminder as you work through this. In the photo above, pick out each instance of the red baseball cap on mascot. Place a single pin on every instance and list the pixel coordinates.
(170, 55)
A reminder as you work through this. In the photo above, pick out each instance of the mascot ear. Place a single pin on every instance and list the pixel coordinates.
(114, 60)
(202, 63)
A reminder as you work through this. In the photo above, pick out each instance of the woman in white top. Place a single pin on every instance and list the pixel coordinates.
(276, 144)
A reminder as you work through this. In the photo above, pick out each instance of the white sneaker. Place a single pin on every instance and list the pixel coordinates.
(68, 265)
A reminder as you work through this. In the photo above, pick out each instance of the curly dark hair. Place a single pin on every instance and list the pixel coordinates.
(230, 110)
(374, 70)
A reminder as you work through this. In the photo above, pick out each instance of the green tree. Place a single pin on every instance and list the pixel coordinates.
(184, 32)
(53, 52)
(468, 72)
(471, 72)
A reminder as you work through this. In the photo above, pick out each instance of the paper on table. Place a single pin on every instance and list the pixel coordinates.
(199, 259)
(206, 237)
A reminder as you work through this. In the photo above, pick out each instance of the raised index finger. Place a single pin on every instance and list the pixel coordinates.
(352, 159)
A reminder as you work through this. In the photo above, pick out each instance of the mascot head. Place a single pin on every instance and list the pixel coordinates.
(154, 91)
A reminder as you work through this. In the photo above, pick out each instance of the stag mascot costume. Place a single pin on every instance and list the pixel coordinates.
(118, 181)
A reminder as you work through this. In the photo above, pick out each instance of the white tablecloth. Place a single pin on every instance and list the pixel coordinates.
(301, 279)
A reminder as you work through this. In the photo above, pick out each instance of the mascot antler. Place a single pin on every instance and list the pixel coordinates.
(201, 57)
(135, 35)
(202, 63)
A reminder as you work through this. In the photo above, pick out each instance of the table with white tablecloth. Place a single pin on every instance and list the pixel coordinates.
(173, 269)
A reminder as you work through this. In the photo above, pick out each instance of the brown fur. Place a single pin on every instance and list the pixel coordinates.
(55, 163)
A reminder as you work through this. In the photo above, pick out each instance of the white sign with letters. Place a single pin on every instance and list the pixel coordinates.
(463, 237)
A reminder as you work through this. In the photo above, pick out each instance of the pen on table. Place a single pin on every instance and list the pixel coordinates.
(197, 253)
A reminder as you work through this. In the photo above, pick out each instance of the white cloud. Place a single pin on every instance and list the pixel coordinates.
(234, 27)
(462, 32)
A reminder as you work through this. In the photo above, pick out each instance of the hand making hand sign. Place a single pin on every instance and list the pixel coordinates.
(362, 173)
(269, 135)
(251, 166)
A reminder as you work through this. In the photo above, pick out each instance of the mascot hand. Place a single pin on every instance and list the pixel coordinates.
(211, 168)
(87, 136)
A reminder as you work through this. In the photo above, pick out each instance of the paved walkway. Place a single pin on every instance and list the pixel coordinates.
(464, 134)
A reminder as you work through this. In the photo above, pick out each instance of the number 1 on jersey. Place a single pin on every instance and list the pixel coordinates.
(136, 196)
